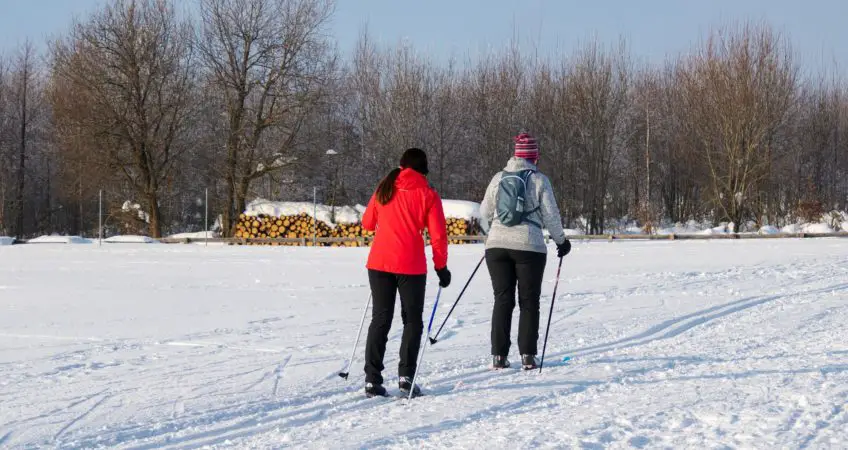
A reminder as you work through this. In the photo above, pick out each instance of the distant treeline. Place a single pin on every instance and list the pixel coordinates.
(246, 98)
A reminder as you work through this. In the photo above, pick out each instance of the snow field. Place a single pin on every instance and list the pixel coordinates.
(674, 344)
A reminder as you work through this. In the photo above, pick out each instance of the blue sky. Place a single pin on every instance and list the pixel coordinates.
(462, 28)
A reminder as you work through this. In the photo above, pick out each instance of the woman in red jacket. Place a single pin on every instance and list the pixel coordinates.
(403, 205)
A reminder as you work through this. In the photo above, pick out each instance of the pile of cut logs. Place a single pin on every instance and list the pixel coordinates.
(462, 227)
(303, 226)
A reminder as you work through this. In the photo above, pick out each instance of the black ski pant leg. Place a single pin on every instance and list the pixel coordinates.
(412, 290)
(383, 291)
(530, 271)
(503, 274)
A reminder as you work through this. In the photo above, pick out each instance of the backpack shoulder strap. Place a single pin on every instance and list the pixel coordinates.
(538, 207)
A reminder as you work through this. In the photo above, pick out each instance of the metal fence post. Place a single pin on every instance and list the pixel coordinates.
(100, 218)
(206, 227)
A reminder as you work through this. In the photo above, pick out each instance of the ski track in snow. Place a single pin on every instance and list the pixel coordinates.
(673, 344)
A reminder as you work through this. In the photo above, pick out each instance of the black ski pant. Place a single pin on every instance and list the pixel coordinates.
(384, 288)
(508, 269)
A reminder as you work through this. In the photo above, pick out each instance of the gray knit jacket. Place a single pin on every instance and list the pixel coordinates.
(523, 236)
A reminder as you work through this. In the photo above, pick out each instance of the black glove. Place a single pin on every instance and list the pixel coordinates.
(444, 277)
(564, 248)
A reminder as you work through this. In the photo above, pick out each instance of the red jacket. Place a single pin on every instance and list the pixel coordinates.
(398, 245)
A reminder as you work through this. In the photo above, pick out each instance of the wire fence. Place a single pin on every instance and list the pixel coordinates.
(120, 217)
(364, 241)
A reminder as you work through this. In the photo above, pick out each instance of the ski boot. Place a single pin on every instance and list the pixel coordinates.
(529, 362)
(375, 390)
(405, 384)
(499, 362)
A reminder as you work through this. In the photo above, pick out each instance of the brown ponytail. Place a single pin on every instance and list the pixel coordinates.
(386, 188)
(413, 158)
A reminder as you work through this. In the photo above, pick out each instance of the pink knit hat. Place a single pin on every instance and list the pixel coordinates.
(526, 147)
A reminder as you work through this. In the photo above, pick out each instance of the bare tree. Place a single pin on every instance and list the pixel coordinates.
(597, 99)
(82, 168)
(4, 127)
(819, 160)
(445, 118)
(740, 87)
(645, 133)
(129, 67)
(494, 91)
(727, 132)
(269, 61)
(679, 168)
(24, 109)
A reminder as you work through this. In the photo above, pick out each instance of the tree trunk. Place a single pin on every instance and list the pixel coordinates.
(19, 200)
(151, 193)
(231, 210)
(48, 200)
(227, 223)
(155, 215)
(240, 200)
(2, 204)
(80, 219)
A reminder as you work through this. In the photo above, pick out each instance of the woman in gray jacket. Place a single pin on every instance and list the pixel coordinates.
(518, 203)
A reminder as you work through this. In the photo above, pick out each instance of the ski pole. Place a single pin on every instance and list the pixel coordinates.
(356, 342)
(433, 340)
(424, 347)
(551, 313)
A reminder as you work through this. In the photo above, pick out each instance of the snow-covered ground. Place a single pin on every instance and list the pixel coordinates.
(130, 239)
(56, 239)
(195, 235)
(674, 344)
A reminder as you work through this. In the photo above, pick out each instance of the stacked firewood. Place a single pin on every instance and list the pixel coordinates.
(351, 231)
(462, 227)
(285, 227)
(302, 227)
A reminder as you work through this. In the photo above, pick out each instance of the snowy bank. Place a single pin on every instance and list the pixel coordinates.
(262, 207)
(347, 214)
(768, 229)
(196, 235)
(461, 209)
(6, 240)
(817, 228)
(456, 209)
(130, 239)
(59, 240)
(130, 207)
(807, 228)
(694, 227)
